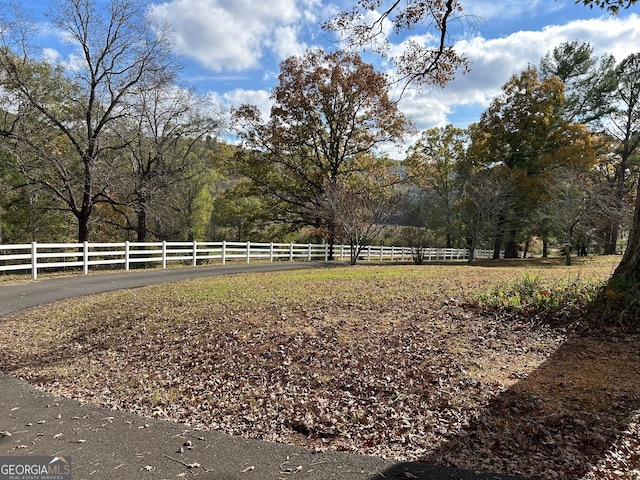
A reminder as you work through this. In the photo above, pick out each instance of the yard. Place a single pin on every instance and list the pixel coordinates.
(396, 361)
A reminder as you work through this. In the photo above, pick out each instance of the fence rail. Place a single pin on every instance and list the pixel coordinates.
(35, 257)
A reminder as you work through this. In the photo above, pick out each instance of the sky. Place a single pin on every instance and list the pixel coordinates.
(231, 49)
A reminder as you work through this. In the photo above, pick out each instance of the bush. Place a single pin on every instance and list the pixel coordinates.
(531, 293)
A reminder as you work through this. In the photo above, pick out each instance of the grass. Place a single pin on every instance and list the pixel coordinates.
(438, 362)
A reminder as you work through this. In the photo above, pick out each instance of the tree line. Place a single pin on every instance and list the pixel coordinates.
(553, 157)
(114, 146)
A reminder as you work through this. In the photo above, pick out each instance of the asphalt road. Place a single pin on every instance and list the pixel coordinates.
(115, 445)
(19, 296)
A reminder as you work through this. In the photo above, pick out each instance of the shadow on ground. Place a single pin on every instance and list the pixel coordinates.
(570, 416)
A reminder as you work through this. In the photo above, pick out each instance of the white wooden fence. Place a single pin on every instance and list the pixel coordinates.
(39, 256)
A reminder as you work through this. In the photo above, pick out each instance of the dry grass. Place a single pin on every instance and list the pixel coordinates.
(384, 360)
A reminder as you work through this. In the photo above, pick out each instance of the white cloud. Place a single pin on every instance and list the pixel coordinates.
(425, 109)
(234, 35)
(285, 42)
(51, 55)
(71, 62)
(237, 97)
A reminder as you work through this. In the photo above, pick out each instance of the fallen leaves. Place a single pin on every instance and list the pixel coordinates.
(380, 361)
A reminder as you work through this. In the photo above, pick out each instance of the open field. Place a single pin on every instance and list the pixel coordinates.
(396, 361)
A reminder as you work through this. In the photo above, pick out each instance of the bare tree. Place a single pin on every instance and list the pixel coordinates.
(165, 146)
(60, 116)
(359, 211)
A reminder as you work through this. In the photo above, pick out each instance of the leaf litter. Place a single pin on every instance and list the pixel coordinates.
(387, 361)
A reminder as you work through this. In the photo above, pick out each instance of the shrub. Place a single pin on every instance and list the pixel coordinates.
(531, 293)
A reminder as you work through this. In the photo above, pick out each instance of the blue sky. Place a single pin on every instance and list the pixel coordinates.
(232, 48)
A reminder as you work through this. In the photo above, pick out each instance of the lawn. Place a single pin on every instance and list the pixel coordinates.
(395, 361)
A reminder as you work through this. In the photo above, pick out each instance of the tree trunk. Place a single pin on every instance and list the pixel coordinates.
(629, 267)
(332, 240)
(496, 247)
(355, 251)
(499, 237)
(611, 245)
(511, 247)
(331, 227)
(545, 248)
(567, 255)
(582, 248)
(611, 240)
(472, 251)
(141, 228)
(83, 226)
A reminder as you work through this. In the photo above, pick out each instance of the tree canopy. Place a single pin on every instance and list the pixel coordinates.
(331, 114)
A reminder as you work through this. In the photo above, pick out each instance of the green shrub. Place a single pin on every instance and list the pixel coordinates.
(530, 292)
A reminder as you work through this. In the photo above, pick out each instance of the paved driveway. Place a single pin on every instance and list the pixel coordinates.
(15, 297)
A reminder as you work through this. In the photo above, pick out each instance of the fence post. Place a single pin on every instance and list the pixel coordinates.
(248, 252)
(126, 256)
(309, 253)
(271, 252)
(164, 254)
(381, 252)
(195, 253)
(223, 252)
(291, 252)
(85, 257)
(368, 253)
(326, 251)
(34, 261)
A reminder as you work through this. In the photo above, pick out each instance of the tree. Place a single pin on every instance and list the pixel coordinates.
(26, 214)
(622, 125)
(485, 196)
(432, 165)
(523, 131)
(238, 216)
(625, 127)
(164, 139)
(60, 115)
(628, 269)
(574, 208)
(330, 115)
(359, 208)
(588, 80)
(364, 26)
(590, 84)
